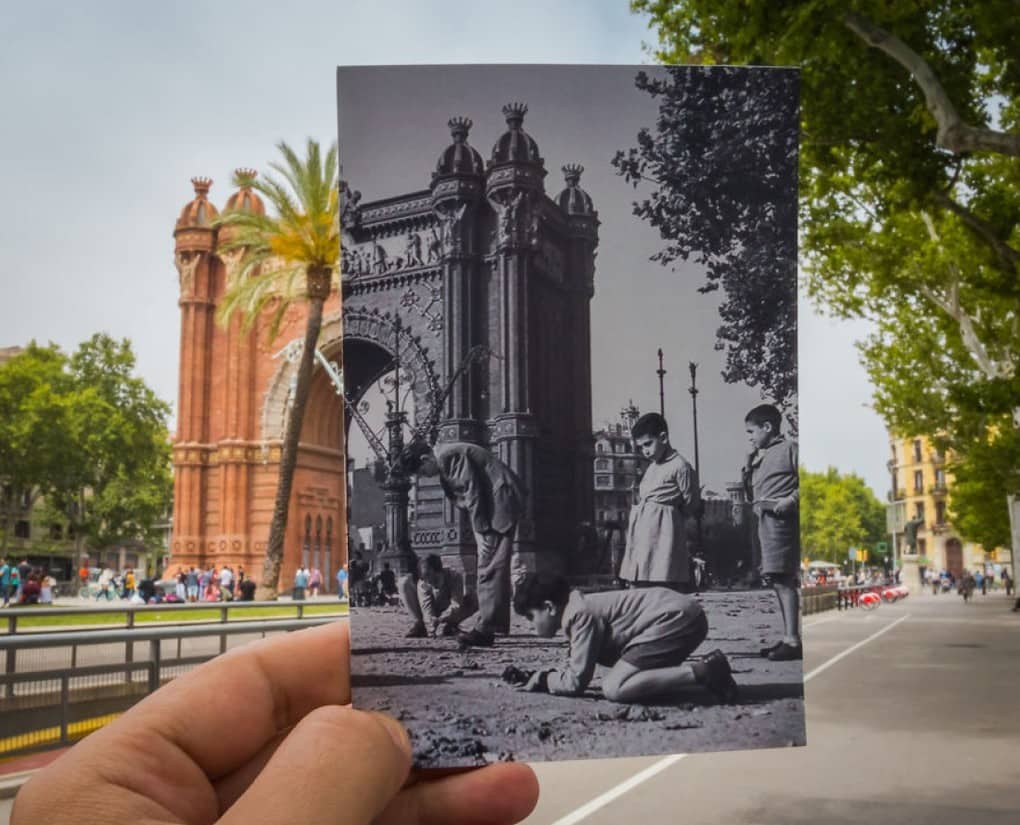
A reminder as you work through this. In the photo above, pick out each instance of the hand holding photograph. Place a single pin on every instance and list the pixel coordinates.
(549, 559)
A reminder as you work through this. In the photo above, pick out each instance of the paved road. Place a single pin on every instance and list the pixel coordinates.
(918, 725)
(912, 718)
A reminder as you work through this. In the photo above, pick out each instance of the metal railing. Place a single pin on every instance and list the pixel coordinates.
(818, 599)
(12, 615)
(55, 701)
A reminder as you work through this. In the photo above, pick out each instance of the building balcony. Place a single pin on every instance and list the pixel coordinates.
(937, 458)
(900, 494)
(938, 490)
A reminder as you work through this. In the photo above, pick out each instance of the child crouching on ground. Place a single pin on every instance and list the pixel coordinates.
(643, 635)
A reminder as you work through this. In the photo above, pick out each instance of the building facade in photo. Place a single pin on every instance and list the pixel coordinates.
(921, 492)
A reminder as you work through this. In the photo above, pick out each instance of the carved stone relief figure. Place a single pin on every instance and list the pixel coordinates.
(187, 263)
(379, 260)
(435, 246)
(452, 221)
(511, 212)
(412, 250)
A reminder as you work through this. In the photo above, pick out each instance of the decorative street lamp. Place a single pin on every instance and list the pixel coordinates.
(662, 393)
(694, 403)
(693, 390)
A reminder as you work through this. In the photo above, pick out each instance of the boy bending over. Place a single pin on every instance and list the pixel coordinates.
(643, 635)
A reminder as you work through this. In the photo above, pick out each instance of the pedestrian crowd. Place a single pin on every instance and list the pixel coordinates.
(23, 584)
(212, 584)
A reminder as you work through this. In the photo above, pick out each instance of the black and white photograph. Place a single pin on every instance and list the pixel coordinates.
(570, 389)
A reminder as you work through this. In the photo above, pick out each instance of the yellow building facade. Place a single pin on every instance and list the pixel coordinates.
(922, 489)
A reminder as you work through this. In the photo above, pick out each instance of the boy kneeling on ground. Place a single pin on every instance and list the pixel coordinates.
(643, 635)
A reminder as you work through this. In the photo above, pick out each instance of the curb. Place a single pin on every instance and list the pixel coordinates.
(11, 783)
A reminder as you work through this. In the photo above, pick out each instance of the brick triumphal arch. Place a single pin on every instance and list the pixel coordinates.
(480, 258)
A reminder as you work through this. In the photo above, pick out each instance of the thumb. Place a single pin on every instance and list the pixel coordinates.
(338, 765)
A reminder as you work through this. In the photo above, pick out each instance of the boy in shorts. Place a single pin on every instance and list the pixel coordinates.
(644, 636)
(771, 478)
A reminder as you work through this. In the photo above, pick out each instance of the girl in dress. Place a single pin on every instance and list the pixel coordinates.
(656, 551)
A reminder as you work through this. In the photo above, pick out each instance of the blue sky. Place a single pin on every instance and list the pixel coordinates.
(110, 109)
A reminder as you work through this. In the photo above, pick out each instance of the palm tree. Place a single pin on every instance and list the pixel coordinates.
(285, 258)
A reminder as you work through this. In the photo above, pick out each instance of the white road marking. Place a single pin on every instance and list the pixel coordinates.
(602, 800)
(840, 656)
(821, 621)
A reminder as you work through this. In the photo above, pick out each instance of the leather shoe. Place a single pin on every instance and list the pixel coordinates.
(787, 653)
(765, 651)
(717, 677)
(417, 631)
(476, 638)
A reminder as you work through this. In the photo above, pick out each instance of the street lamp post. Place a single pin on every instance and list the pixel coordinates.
(693, 390)
(662, 393)
(694, 404)
(397, 486)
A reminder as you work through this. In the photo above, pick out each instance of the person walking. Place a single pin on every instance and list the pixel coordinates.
(300, 583)
(341, 583)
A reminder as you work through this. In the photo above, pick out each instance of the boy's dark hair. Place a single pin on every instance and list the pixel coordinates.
(535, 590)
(412, 456)
(765, 414)
(649, 424)
(433, 562)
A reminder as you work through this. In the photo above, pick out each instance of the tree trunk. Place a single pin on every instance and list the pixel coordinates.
(288, 459)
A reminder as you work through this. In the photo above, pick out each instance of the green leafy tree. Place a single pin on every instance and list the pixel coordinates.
(89, 436)
(721, 166)
(285, 258)
(837, 512)
(34, 438)
(910, 215)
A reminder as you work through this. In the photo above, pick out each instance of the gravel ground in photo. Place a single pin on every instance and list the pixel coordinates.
(460, 713)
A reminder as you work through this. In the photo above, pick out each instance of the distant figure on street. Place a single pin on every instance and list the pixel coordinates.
(494, 499)
(247, 588)
(315, 582)
(300, 583)
(341, 582)
(191, 584)
(386, 582)
(48, 584)
(5, 581)
(30, 590)
(436, 602)
(226, 582)
(772, 481)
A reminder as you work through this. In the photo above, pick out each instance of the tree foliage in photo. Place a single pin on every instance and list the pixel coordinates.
(910, 197)
(720, 172)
